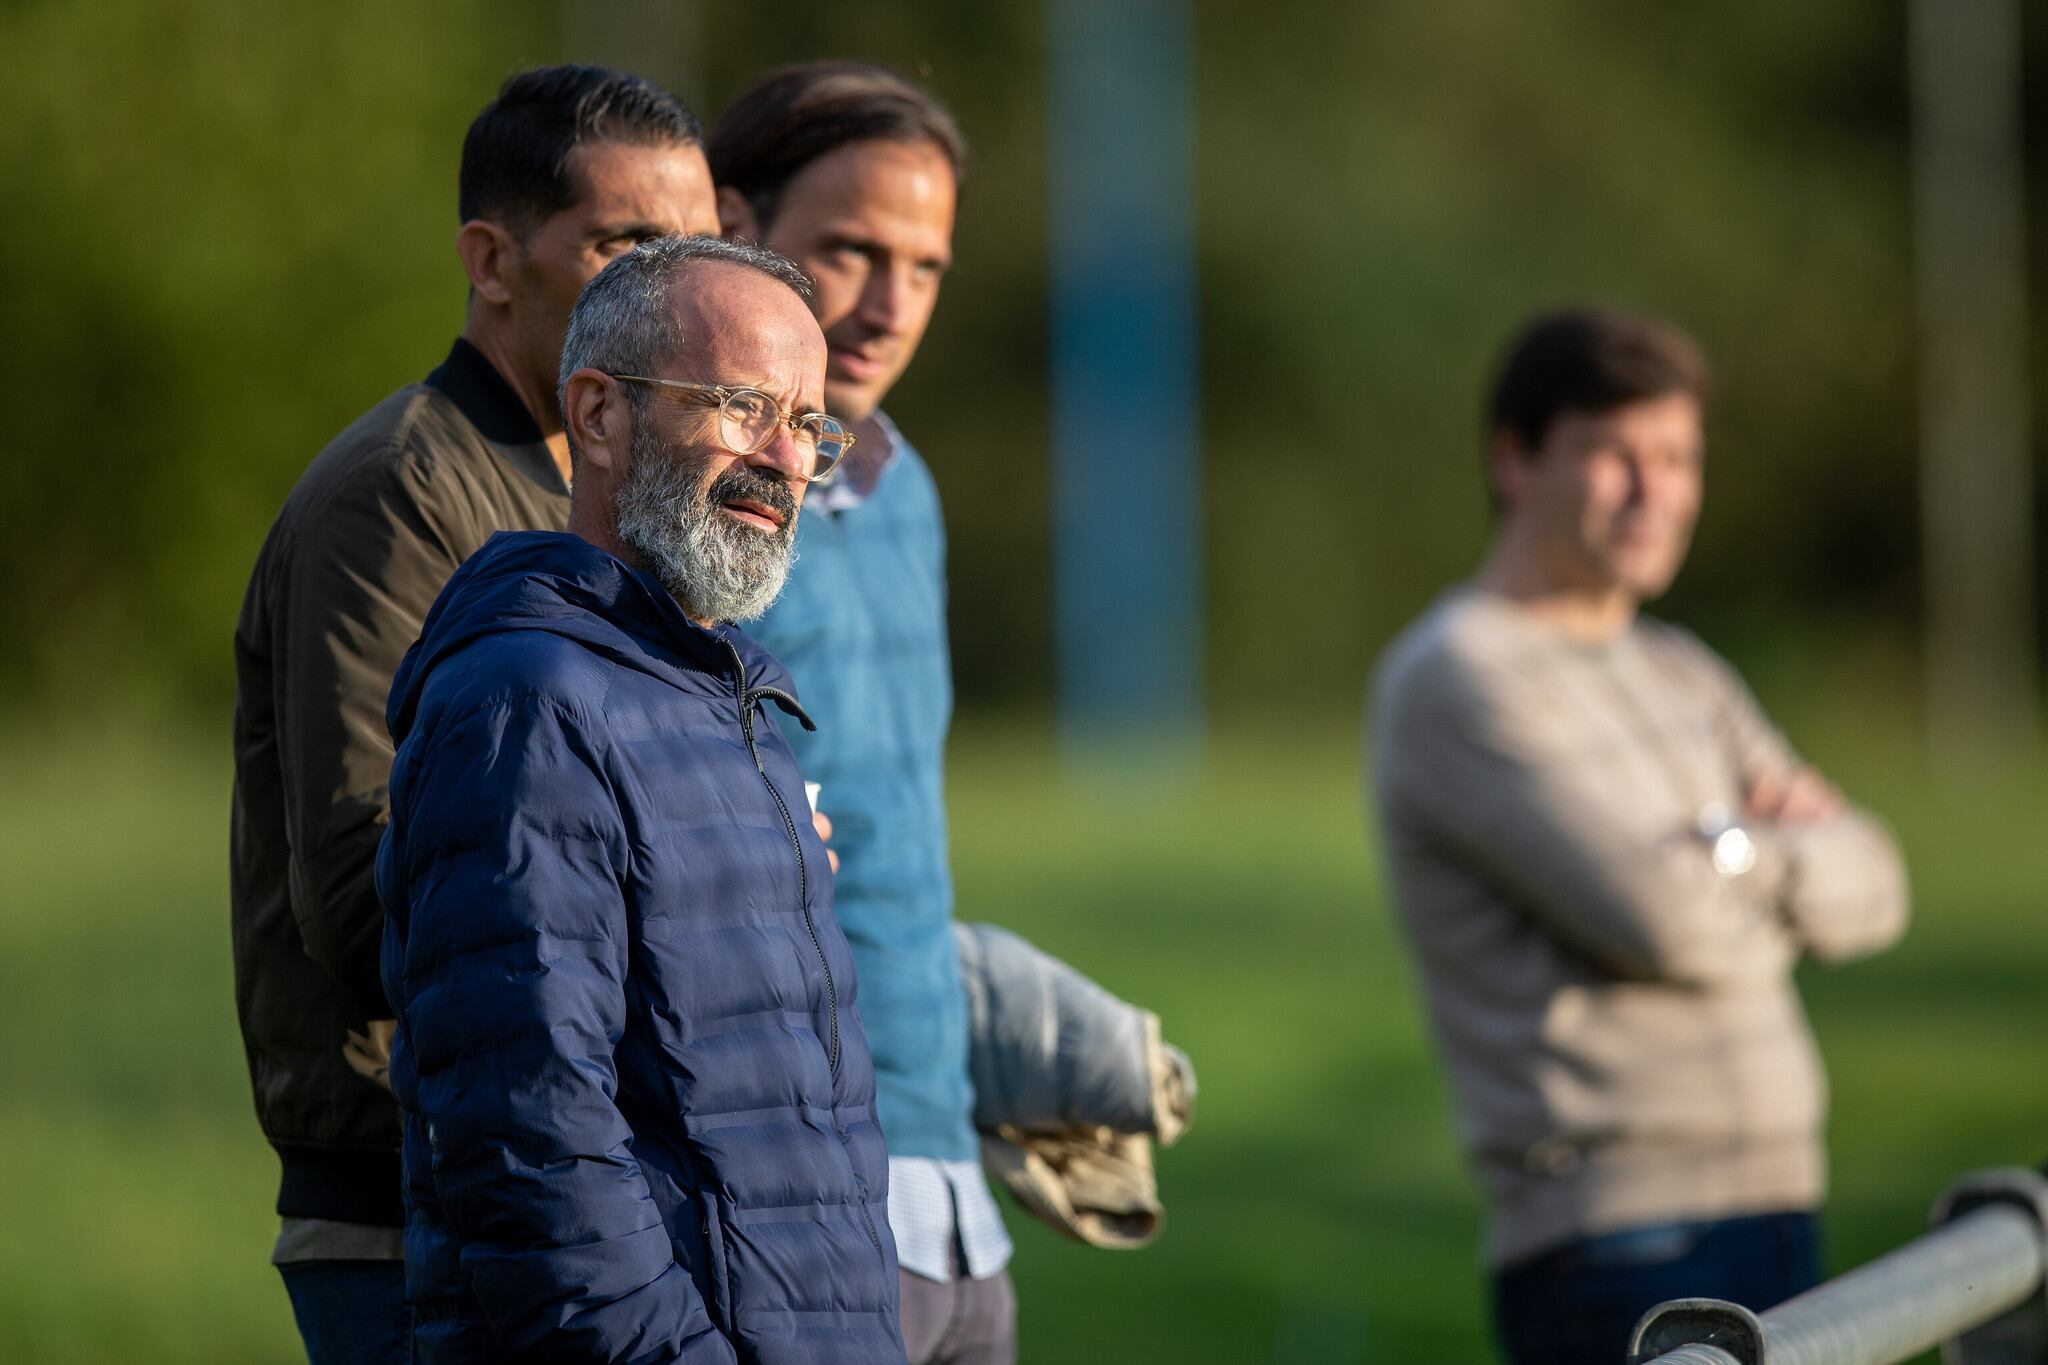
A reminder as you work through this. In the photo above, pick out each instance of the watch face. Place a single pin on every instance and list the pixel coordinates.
(1734, 852)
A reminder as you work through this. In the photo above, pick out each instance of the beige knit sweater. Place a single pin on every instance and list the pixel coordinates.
(1623, 1039)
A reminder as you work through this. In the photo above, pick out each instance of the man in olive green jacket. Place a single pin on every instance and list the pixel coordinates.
(567, 168)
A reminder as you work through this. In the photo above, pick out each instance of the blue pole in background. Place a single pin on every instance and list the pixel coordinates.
(1125, 390)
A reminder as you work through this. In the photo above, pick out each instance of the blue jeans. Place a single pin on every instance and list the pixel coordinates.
(1577, 1304)
(351, 1312)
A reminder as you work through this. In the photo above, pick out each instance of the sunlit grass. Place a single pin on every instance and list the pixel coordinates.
(1317, 1212)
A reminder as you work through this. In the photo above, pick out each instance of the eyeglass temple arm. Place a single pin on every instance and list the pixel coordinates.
(714, 393)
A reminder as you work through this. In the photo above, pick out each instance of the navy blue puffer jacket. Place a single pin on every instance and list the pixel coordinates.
(639, 1108)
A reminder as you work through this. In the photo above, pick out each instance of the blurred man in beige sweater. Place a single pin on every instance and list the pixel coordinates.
(1607, 862)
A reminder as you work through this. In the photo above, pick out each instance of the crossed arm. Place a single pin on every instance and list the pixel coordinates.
(1501, 785)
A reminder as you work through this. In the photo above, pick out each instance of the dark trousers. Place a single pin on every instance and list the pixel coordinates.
(351, 1312)
(1577, 1304)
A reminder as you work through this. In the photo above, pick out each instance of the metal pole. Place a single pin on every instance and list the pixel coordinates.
(1984, 1259)
(1904, 1303)
(1125, 425)
(2018, 1336)
(1976, 487)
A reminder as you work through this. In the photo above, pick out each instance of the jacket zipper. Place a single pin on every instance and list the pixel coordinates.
(747, 703)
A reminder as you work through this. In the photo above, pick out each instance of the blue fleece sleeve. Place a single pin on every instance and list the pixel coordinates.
(512, 997)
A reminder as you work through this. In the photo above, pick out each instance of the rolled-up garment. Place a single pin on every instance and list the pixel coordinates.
(1071, 1087)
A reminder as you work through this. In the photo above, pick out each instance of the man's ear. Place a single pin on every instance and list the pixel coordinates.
(599, 421)
(736, 218)
(488, 254)
(1507, 466)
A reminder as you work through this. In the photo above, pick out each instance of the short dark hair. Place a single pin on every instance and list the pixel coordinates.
(792, 117)
(1587, 359)
(515, 160)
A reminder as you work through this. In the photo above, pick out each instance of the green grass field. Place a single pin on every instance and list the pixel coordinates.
(1316, 1213)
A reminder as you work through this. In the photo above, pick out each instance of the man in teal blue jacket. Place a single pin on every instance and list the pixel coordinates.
(853, 172)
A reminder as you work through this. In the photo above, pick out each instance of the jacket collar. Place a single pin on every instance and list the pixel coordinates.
(474, 385)
(716, 648)
(638, 601)
(558, 582)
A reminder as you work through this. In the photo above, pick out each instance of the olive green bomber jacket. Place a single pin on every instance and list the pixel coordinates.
(357, 555)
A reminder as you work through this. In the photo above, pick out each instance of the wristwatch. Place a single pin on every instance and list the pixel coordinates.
(1729, 846)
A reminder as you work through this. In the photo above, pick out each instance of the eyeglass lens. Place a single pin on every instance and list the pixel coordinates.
(751, 418)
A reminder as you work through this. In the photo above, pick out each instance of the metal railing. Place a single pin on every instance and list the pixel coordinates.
(1974, 1284)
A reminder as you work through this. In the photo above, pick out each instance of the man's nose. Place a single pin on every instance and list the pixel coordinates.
(1639, 477)
(784, 454)
(885, 301)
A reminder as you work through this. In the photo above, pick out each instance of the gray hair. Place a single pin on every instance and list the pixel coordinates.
(622, 323)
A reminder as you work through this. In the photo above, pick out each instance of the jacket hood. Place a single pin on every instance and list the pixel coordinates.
(563, 585)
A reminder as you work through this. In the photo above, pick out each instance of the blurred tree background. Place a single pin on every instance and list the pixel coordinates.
(230, 231)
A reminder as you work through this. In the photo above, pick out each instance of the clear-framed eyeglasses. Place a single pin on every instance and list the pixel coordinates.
(748, 419)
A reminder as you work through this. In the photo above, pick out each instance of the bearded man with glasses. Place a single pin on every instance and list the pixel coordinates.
(639, 1118)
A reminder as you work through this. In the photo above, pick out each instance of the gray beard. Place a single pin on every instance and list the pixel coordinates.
(716, 568)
